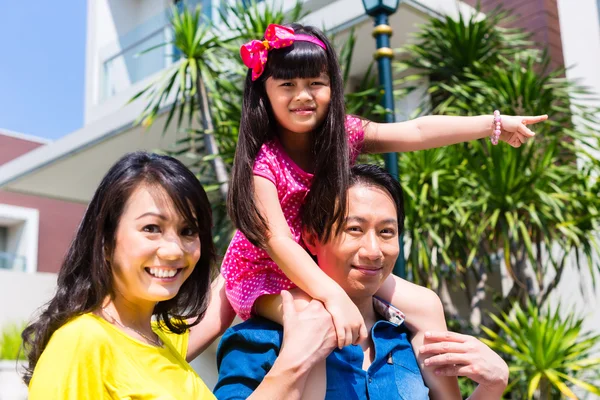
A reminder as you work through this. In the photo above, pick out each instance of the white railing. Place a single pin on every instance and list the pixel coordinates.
(13, 262)
(127, 65)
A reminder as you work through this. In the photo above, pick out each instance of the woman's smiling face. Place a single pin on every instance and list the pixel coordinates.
(155, 248)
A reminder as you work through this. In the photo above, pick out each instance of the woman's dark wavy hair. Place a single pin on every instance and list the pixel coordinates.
(85, 278)
(372, 175)
(329, 145)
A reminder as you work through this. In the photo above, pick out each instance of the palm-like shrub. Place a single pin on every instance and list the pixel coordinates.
(447, 48)
(185, 86)
(11, 342)
(549, 353)
(472, 206)
(213, 91)
(206, 86)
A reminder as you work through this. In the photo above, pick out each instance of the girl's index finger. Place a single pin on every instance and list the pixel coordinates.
(447, 336)
(534, 119)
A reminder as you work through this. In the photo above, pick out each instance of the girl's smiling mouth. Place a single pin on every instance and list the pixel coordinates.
(303, 110)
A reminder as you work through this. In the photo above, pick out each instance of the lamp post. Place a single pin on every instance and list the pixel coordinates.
(380, 10)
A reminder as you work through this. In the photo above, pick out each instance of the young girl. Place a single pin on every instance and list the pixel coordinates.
(295, 147)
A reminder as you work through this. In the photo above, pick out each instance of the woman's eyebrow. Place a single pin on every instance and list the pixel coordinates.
(152, 214)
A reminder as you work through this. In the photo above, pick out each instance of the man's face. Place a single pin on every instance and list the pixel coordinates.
(363, 254)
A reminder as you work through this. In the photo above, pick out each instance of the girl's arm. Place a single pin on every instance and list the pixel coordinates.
(439, 130)
(424, 312)
(218, 317)
(300, 268)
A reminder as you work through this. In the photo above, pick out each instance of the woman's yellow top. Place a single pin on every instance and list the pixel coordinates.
(89, 358)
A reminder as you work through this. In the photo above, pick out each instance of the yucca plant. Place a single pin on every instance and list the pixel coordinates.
(185, 86)
(364, 99)
(447, 48)
(472, 205)
(240, 22)
(11, 342)
(535, 197)
(206, 85)
(243, 21)
(549, 353)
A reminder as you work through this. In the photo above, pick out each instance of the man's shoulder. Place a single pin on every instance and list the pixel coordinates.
(245, 355)
(256, 330)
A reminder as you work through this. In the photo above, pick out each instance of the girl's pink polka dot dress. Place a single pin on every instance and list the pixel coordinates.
(248, 270)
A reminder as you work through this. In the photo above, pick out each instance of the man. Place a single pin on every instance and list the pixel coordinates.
(359, 258)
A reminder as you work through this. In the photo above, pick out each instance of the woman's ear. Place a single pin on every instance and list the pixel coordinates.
(310, 240)
(107, 251)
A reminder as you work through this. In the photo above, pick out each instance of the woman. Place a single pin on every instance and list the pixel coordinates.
(136, 274)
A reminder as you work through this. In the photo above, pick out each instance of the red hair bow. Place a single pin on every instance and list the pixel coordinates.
(254, 53)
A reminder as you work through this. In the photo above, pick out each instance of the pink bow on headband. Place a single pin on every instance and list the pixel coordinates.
(254, 53)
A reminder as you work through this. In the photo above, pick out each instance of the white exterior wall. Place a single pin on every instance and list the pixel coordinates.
(22, 294)
(580, 32)
(109, 23)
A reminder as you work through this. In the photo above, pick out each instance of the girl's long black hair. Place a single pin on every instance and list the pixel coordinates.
(85, 278)
(325, 205)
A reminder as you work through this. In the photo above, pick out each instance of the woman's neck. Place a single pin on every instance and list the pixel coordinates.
(132, 315)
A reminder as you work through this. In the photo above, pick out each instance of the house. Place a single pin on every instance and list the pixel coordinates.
(20, 225)
(65, 173)
(35, 231)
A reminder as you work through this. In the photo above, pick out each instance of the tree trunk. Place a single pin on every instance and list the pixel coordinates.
(519, 291)
(209, 140)
(444, 293)
(543, 296)
(476, 317)
(544, 389)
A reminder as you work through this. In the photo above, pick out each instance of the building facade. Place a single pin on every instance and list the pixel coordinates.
(62, 176)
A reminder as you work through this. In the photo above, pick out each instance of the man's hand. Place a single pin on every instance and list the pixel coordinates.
(308, 335)
(453, 354)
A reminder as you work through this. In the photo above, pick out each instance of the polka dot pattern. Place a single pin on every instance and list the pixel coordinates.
(248, 270)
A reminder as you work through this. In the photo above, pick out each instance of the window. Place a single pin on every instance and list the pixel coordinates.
(191, 4)
(9, 260)
(19, 228)
(3, 238)
(4, 256)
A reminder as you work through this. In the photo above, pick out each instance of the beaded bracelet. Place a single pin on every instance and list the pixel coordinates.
(497, 126)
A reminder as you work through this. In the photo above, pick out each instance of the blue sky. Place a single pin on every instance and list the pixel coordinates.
(42, 61)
